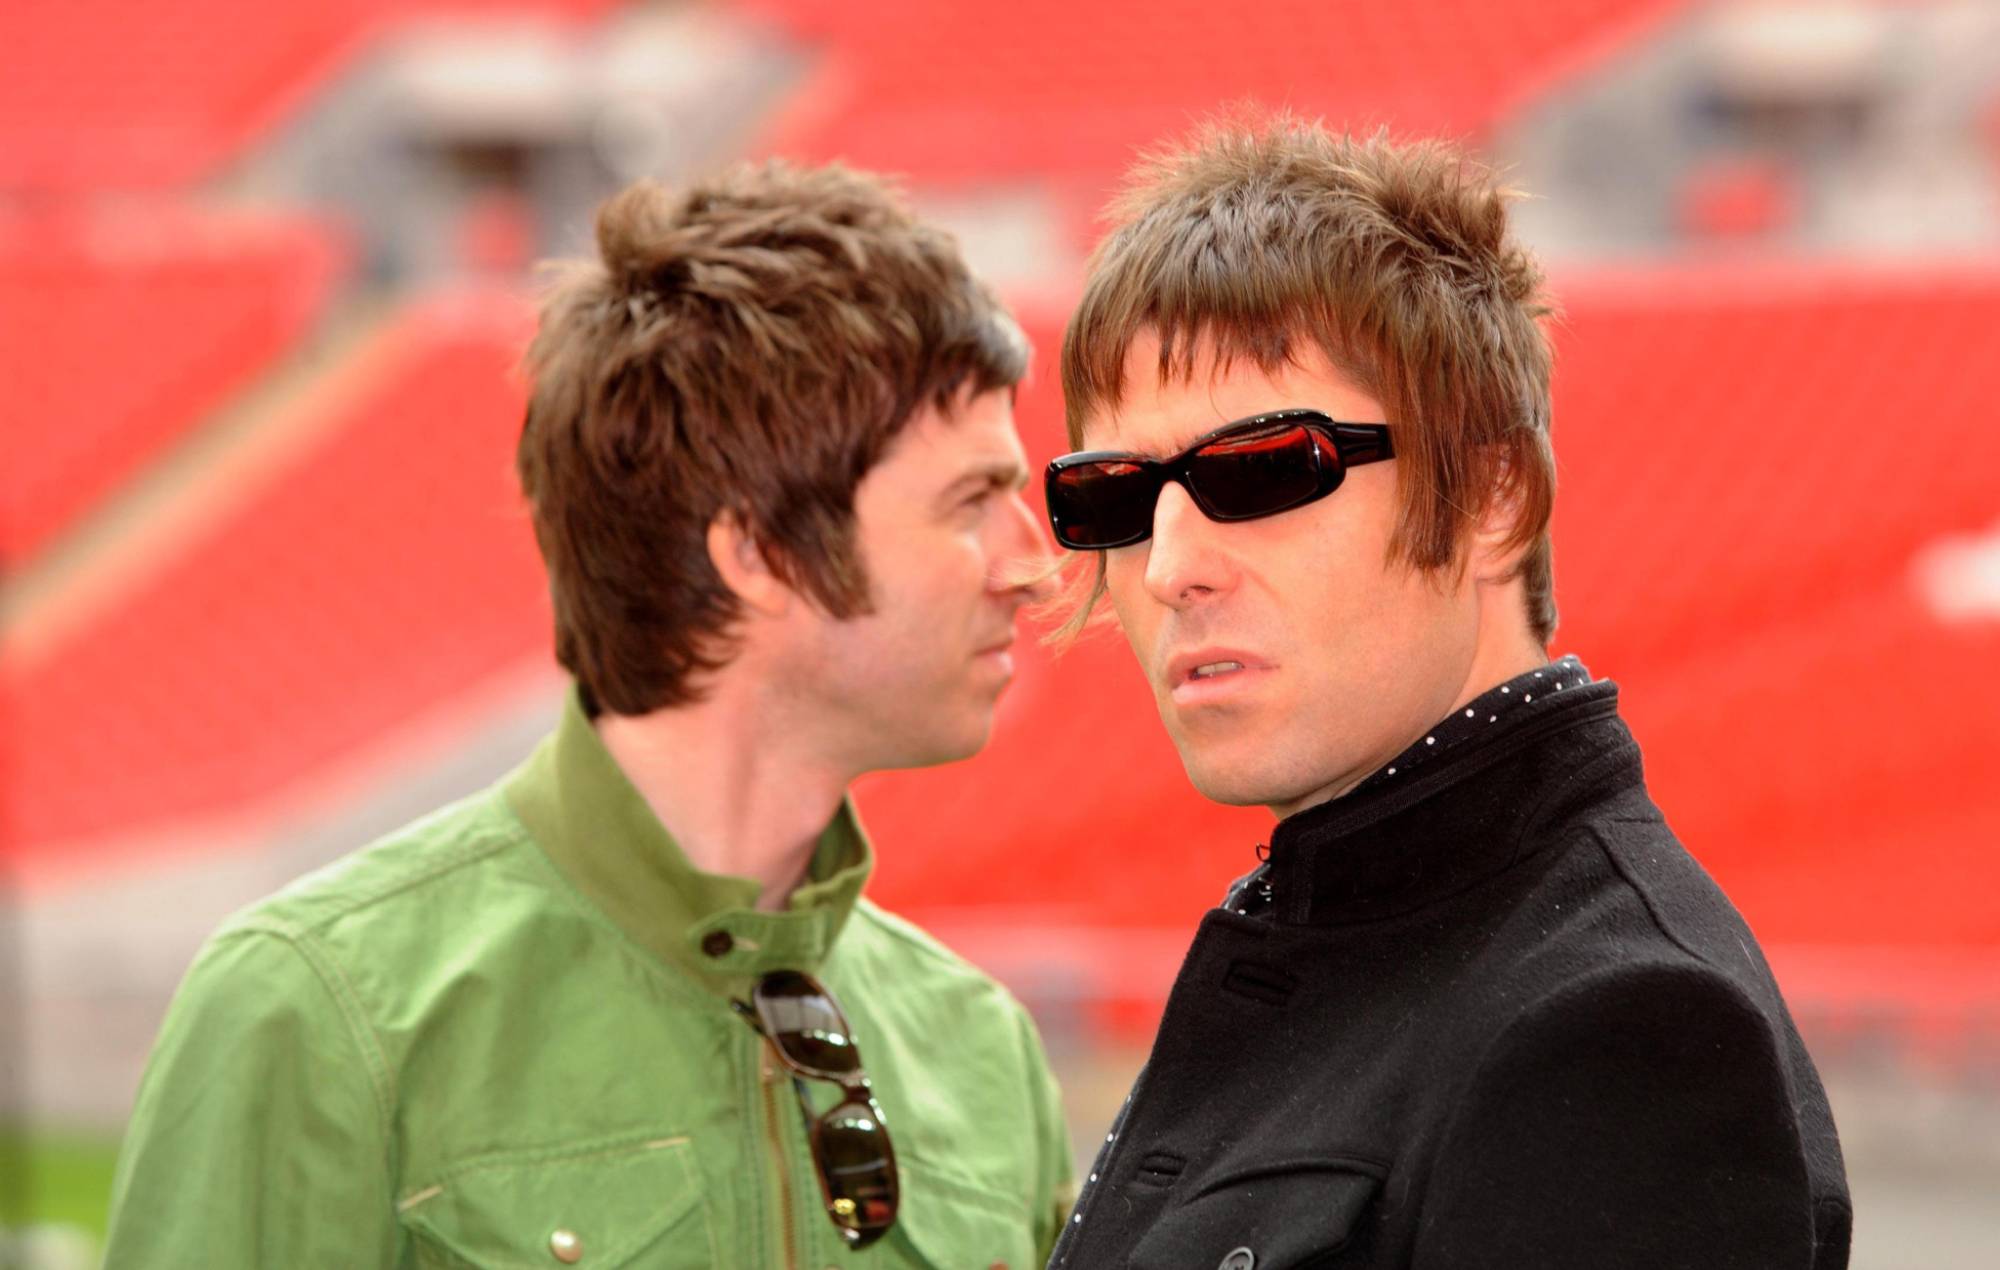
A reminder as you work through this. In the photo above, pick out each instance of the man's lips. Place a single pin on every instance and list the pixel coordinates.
(999, 653)
(1205, 674)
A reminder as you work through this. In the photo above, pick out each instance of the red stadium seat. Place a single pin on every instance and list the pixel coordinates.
(1737, 543)
(374, 574)
(122, 329)
(954, 93)
(1738, 200)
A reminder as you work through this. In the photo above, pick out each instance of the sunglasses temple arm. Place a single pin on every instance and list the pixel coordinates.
(1362, 443)
(810, 1124)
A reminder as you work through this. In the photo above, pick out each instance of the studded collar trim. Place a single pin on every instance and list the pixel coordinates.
(1451, 809)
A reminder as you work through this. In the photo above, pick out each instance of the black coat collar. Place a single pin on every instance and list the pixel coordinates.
(1394, 846)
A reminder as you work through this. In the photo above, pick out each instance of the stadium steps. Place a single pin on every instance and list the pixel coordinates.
(121, 539)
(359, 557)
(123, 324)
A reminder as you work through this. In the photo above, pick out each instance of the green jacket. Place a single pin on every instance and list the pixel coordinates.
(512, 1019)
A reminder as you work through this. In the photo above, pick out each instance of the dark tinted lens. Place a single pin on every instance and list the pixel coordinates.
(805, 1025)
(1258, 473)
(1102, 504)
(859, 1169)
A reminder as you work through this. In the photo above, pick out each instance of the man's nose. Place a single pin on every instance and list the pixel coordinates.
(1183, 564)
(1024, 563)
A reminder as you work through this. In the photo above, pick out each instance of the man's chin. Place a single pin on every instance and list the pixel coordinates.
(939, 748)
(1236, 778)
(1230, 784)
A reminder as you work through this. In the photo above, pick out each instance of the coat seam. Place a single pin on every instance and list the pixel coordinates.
(348, 1001)
(1585, 782)
(490, 840)
(1646, 902)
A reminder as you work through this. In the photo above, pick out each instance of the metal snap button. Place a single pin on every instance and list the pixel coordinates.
(717, 943)
(566, 1247)
(1239, 1259)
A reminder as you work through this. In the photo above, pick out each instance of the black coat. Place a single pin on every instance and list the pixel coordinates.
(1495, 1017)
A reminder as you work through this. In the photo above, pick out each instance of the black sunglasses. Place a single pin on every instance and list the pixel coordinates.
(1259, 466)
(850, 1144)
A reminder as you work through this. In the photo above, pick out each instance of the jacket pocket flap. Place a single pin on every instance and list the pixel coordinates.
(596, 1204)
(1284, 1215)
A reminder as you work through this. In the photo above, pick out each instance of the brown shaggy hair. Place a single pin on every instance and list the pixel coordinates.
(1393, 260)
(750, 345)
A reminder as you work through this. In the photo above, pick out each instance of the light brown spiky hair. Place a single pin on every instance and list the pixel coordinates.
(1257, 239)
(750, 345)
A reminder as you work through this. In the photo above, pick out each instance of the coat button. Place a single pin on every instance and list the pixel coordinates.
(566, 1247)
(1239, 1259)
(717, 943)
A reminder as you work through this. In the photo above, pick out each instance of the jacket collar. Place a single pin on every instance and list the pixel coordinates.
(1393, 846)
(599, 831)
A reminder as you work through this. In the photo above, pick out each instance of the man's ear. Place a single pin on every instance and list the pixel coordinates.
(739, 560)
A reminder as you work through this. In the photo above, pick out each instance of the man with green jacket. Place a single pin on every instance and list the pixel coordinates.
(628, 1007)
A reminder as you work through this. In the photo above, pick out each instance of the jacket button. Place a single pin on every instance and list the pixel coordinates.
(1239, 1259)
(566, 1247)
(717, 943)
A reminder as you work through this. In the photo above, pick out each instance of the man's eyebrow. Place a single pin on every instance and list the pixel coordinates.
(999, 474)
(1185, 440)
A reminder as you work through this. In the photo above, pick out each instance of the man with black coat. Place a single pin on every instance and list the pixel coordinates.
(1477, 1008)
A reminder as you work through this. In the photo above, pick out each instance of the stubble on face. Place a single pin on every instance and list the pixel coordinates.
(938, 520)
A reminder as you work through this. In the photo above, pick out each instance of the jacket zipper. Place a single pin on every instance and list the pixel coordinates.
(776, 1139)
